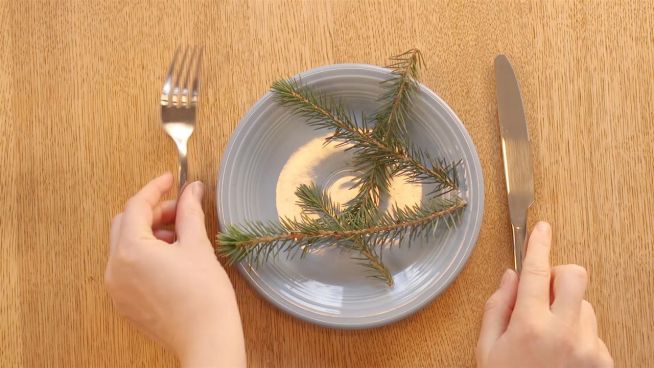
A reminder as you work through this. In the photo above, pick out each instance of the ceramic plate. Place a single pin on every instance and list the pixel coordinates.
(272, 151)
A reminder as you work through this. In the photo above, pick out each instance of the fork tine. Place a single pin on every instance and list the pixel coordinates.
(195, 89)
(177, 98)
(185, 84)
(167, 86)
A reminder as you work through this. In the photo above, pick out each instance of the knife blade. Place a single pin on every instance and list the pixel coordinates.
(518, 169)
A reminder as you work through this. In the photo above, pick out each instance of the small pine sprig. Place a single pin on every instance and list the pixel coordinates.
(323, 112)
(390, 120)
(256, 242)
(312, 199)
(389, 128)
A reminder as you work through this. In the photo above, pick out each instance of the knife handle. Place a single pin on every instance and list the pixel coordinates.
(519, 242)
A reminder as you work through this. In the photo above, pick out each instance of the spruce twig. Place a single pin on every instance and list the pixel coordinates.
(314, 200)
(256, 241)
(390, 124)
(390, 129)
(323, 112)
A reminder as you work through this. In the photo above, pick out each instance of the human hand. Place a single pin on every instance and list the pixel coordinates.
(175, 291)
(542, 319)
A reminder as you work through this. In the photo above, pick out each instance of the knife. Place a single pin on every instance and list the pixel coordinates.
(518, 169)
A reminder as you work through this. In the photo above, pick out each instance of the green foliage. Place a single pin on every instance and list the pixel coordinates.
(382, 150)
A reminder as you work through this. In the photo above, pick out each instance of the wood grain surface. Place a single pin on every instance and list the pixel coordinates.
(79, 133)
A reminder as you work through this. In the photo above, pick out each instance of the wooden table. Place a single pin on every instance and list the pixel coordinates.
(79, 133)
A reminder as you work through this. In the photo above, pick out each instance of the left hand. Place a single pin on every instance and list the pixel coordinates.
(174, 291)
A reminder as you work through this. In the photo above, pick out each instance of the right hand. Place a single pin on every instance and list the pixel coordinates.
(542, 319)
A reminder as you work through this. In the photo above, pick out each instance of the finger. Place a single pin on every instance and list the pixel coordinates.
(589, 350)
(606, 361)
(497, 312)
(570, 283)
(164, 213)
(189, 222)
(114, 231)
(165, 235)
(534, 285)
(139, 212)
(588, 320)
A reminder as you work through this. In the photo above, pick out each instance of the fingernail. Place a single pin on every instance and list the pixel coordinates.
(197, 189)
(505, 278)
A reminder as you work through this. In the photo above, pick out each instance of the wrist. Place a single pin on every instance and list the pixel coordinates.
(219, 349)
(200, 355)
(216, 340)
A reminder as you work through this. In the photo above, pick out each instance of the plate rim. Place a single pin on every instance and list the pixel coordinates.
(458, 268)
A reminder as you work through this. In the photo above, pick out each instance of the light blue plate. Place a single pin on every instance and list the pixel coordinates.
(327, 287)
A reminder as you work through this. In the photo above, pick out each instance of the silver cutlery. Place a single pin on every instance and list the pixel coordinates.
(518, 169)
(179, 97)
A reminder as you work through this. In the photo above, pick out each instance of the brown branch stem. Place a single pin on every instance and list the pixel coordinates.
(347, 234)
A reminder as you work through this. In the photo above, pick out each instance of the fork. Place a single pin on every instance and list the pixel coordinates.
(179, 97)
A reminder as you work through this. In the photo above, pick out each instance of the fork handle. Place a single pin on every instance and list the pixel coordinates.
(183, 165)
(183, 169)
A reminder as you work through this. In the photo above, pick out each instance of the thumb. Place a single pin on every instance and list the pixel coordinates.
(497, 313)
(189, 220)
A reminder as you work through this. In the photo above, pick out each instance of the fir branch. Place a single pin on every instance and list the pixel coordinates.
(315, 200)
(255, 241)
(390, 124)
(322, 112)
(390, 129)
